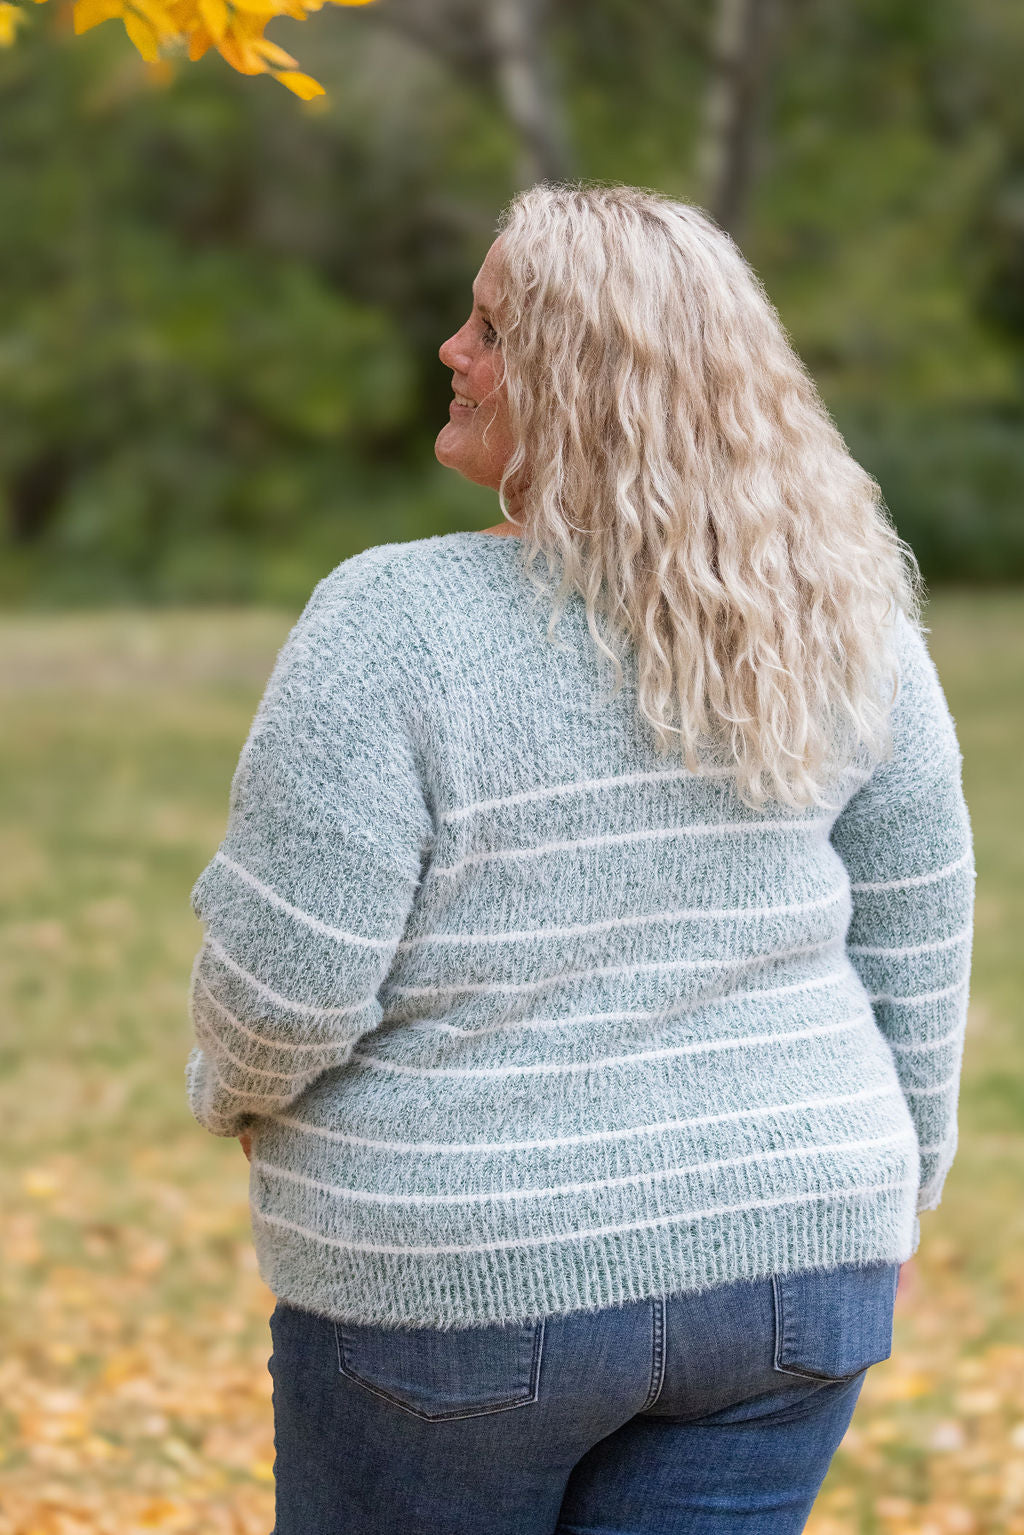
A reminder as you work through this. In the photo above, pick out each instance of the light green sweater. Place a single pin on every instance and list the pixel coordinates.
(526, 1019)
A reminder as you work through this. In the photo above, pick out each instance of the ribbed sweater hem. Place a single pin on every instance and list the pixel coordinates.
(585, 1273)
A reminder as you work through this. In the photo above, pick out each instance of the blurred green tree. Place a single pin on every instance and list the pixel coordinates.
(180, 268)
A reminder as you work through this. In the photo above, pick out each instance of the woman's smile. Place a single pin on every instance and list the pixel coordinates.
(474, 354)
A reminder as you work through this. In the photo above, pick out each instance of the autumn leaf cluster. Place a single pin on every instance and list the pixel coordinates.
(233, 27)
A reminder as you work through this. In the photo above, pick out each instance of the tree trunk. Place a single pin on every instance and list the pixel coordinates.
(501, 44)
(524, 72)
(745, 36)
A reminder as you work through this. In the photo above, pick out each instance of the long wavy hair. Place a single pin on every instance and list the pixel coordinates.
(673, 453)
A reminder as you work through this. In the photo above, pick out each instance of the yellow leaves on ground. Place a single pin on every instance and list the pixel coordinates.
(936, 1446)
(233, 27)
(136, 1395)
(133, 1356)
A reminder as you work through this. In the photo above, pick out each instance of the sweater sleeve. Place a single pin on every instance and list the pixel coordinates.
(308, 894)
(905, 838)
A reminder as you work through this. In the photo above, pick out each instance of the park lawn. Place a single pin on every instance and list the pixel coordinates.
(134, 1393)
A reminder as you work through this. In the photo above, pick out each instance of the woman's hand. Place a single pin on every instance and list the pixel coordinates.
(246, 1140)
(906, 1285)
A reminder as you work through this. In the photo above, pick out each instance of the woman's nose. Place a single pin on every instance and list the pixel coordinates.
(454, 356)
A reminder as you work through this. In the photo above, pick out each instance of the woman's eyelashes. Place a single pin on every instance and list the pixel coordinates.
(490, 334)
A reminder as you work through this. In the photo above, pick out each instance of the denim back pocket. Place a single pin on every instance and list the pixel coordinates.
(434, 1373)
(831, 1324)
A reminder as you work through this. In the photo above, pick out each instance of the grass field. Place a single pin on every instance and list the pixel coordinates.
(134, 1393)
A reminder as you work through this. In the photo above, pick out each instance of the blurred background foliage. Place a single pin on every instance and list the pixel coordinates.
(220, 309)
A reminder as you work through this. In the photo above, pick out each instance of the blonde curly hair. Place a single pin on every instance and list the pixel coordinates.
(672, 451)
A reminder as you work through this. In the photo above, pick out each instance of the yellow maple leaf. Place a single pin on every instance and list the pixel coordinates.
(142, 35)
(234, 27)
(247, 26)
(199, 40)
(304, 86)
(10, 20)
(215, 15)
(89, 13)
(158, 17)
(235, 49)
(272, 53)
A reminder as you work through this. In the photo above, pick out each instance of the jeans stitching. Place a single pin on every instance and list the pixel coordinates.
(777, 1300)
(457, 1413)
(781, 1342)
(657, 1351)
(538, 1355)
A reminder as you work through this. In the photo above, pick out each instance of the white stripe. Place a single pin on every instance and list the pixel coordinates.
(207, 1037)
(581, 786)
(589, 1137)
(557, 1190)
(193, 1090)
(938, 1148)
(665, 1015)
(269, 1044)
(273, 899)
(223, 1120)
(236, 1092)
(429, 1026)
(916, 948)
(258, 1071)
(584, 785)
(933, 1044)
(633, 968)
(922, 997)
(275, 996)
(691, 913)
(703, 913)
(603, 1062)
(589, 1231)
(571, 844)
(941, 1087)
(913, 879)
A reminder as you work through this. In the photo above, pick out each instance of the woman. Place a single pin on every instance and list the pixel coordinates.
(596, 1051)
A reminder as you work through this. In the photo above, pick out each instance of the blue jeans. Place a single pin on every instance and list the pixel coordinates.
(688, 1414)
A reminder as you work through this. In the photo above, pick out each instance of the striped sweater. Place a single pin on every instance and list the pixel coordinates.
(525, 1019)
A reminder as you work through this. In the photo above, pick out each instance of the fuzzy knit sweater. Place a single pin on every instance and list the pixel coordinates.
(524, 1018)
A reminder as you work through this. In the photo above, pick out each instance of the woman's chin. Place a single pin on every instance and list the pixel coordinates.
(450, 452)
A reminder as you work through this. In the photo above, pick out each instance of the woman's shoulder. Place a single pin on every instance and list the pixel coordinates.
(404, 566)
(397, 588)
(380, 606)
